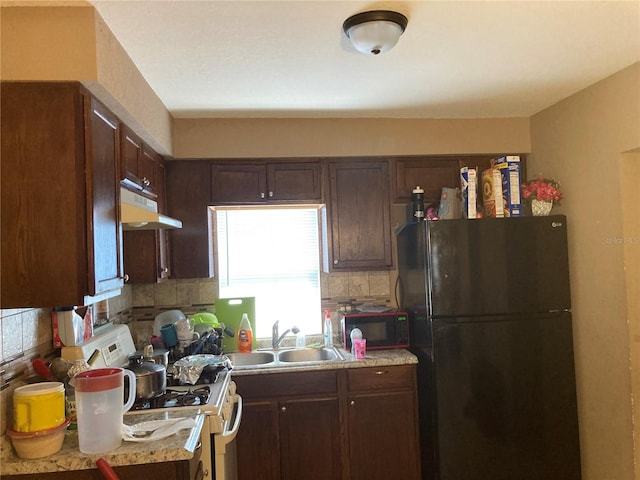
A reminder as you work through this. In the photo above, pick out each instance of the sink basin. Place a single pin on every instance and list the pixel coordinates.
(250, 359)
(309, 355)
(282, 358)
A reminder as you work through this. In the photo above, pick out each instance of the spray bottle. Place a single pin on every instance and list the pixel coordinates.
(328, 329)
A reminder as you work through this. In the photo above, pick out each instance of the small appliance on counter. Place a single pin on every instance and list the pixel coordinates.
(382, 330)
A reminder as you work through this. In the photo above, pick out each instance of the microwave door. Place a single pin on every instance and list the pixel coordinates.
(379, 333)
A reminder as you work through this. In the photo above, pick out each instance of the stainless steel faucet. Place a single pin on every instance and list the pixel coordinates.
(277, 340)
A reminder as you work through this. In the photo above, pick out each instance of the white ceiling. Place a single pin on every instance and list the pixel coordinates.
(457, 59)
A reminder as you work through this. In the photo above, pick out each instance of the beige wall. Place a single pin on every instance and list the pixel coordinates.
(580, 142)
(629, 166)
(237, 138)
(38, 43)
(74, 43)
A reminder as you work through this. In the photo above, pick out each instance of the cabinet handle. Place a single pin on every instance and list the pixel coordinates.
(353, 403)
(382, 372)
(262, 195)
(270, 194)
(125, 277)
(335, 262)
(146, 182)
(283, 409)
(165, 270)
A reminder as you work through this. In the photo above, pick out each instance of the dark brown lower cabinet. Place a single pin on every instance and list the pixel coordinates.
(290, 427)
(382, 418)
(310, 439)
(258, 443)
(182, 470)
(358, 423)
(382, 445)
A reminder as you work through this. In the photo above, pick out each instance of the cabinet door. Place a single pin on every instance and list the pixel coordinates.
(130, 148)
(147, 170)
(383, 436)
(138, 163)
(238, 183)
(294, 181)
(433, 173)
(310, 446)
(188, 197)
(359, 209)
(60, 224)
(140, 250)
(429, 173)
(258, 442)
(103, 227)
(146, 252)
(42, 228)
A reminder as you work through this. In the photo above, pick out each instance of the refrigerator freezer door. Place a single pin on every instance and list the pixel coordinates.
(497, 266)
(505, 398)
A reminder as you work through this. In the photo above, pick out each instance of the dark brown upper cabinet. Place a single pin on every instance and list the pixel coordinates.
(188, 196)
(256, 183)
(146, 253)
(359, 215)
(432, 173)
(139, 164)
(61, 235)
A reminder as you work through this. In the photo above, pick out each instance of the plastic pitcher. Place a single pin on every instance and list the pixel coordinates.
(99, 407)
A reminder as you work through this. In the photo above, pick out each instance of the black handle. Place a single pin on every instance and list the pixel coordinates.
(201, 342)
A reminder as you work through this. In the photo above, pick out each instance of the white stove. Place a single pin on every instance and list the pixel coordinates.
(222, 405)
(113, 342)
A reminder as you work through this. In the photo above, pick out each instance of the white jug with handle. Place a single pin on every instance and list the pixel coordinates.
(99, 407)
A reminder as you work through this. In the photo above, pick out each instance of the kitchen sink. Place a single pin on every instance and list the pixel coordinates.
(283, 358)
(309, 355)
(251, 359)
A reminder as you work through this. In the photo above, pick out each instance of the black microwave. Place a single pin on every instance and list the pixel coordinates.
(381, 330)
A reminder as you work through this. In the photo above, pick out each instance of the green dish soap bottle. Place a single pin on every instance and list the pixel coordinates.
(245, 335)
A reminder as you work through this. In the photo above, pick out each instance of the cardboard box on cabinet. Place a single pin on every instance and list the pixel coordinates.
(509, 167)
(492, 193)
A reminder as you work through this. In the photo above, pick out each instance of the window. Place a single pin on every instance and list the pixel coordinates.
(272, 254)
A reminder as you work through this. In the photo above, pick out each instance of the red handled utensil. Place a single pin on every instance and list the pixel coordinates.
(106, 470)
(41, 369)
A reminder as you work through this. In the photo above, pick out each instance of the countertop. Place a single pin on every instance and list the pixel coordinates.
(181, 445)
(373, 358)
(170, 449)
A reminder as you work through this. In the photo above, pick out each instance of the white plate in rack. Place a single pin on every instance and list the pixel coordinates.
(164, 318)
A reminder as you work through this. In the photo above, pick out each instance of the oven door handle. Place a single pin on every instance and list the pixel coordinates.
(223, 439)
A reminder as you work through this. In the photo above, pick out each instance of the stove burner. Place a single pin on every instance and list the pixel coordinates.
(176, 398)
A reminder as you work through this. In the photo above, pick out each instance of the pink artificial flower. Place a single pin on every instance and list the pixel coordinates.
(542, 189)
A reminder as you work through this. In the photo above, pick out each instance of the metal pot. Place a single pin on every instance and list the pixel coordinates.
(158, 355)
(151, 378)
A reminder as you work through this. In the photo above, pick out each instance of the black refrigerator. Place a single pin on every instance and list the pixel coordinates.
(490, 323)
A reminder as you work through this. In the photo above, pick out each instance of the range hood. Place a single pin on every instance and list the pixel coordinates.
(141, 213)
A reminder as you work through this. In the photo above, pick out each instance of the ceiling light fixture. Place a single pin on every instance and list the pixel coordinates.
(376, 31)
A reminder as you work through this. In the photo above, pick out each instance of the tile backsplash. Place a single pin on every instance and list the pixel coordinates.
(335, 287)
(25, 334)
